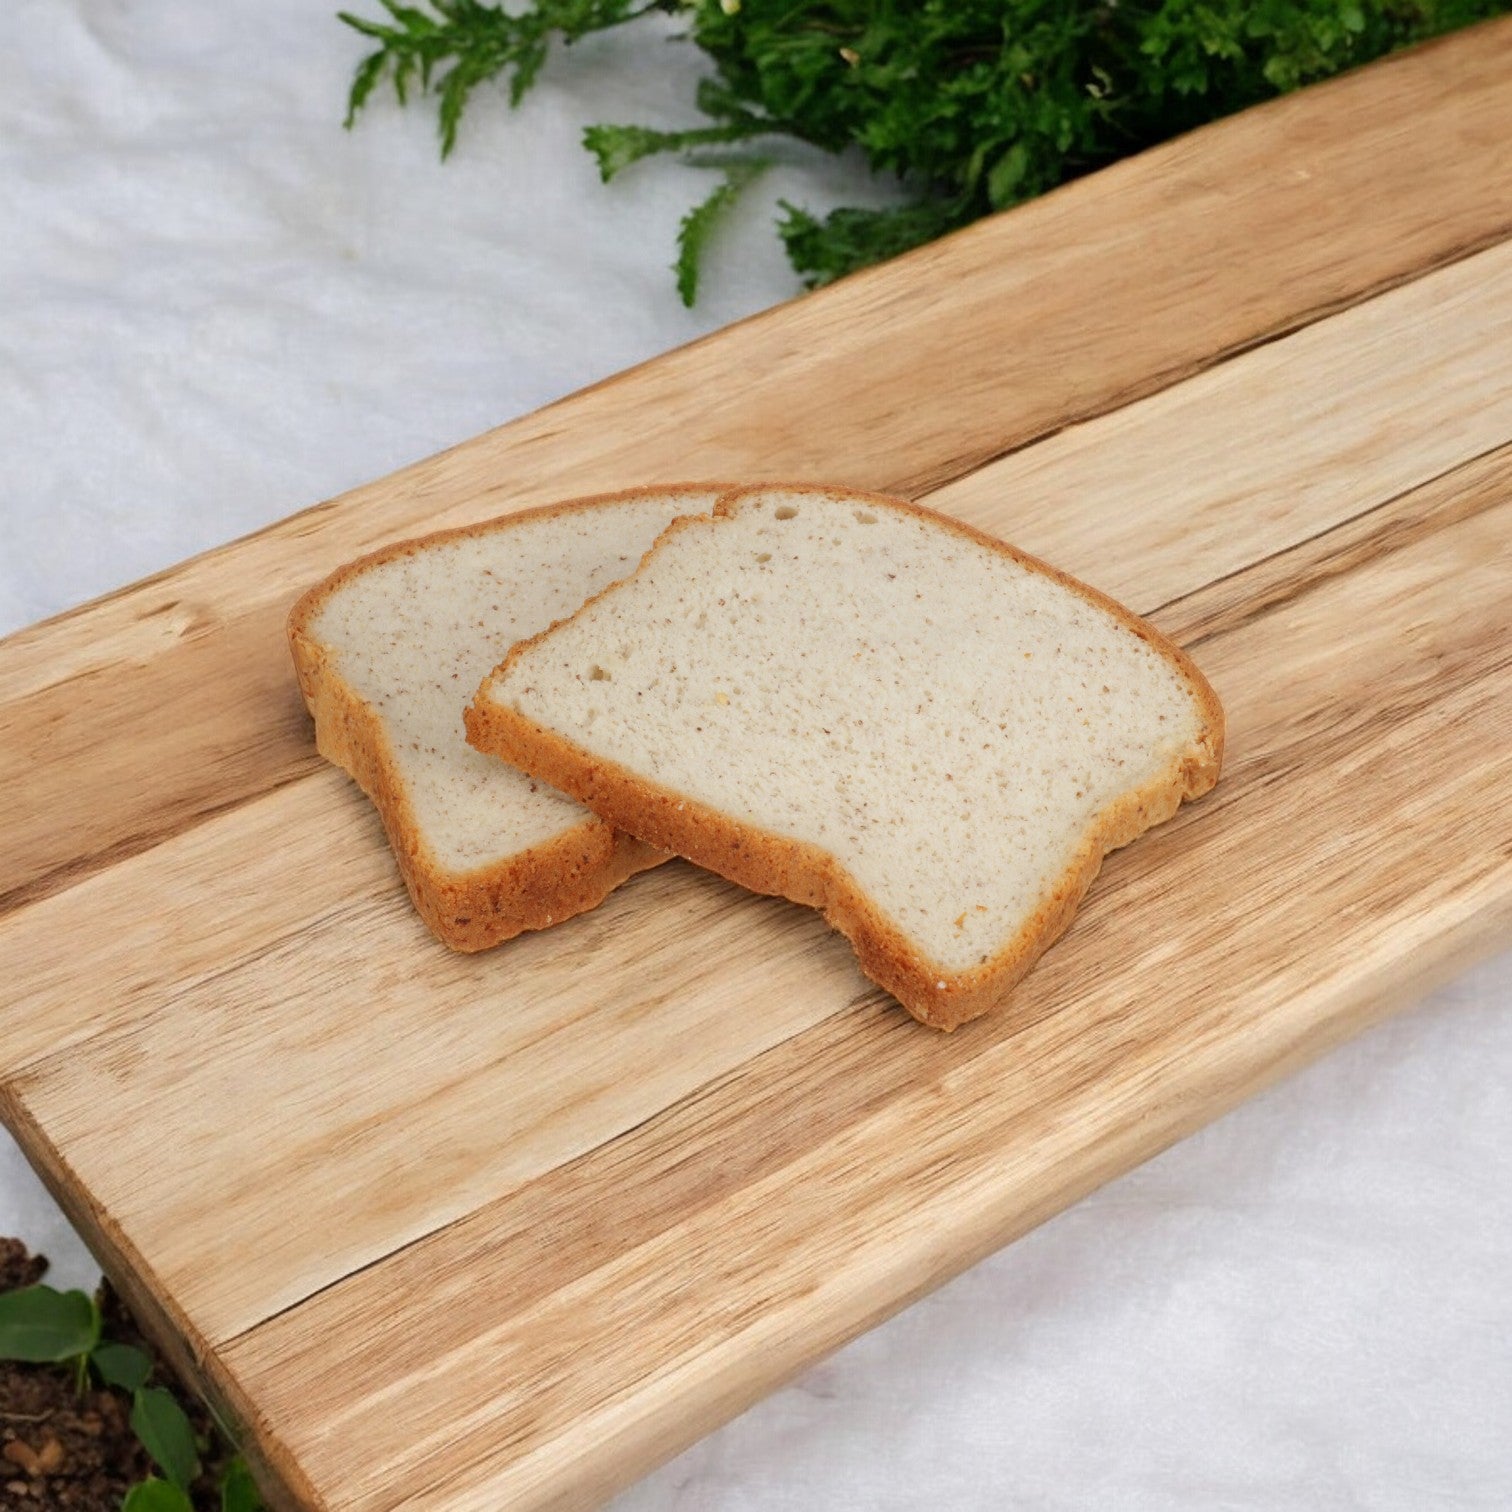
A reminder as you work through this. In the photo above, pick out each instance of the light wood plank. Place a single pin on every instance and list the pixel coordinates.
(903, 378)
(1218, 953)
(1149, 503)
(429, 1091)
(219, 893)
(262, 969)
(1200, 480)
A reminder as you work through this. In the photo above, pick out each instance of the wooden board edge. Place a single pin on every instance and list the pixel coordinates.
(283, 1484)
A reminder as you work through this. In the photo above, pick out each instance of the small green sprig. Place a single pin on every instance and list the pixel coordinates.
(699, 223)
(452, 46)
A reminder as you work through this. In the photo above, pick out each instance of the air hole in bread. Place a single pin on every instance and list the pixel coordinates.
(865, 517)
(597, 674)
(785, 512)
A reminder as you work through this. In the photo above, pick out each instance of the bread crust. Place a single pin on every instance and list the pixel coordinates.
(769, 863)
(537, 887)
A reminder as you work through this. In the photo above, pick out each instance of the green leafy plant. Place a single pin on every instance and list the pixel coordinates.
(699, 223)
(121, 1365)
(42, 1326)
(974, 105)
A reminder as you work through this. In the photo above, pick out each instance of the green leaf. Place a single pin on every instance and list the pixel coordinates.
(414, 21)
(122, 1365)
(699, 223)
(163, 1427)
(451, 47)
(364, 82)
(375, 29)
(238, 1489)
(42, 1326)
(154, 1495)
(457, 86)
(1007, 174)
(717, 100)
(527, 65)
(616, 147)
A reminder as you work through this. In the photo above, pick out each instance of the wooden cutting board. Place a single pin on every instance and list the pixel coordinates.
(503, 1231)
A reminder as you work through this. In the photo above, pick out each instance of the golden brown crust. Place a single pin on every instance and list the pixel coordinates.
(771, 863)
(470, 910)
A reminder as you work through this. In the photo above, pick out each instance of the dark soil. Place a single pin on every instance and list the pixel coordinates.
(77, 1453)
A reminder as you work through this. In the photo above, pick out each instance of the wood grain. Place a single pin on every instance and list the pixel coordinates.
(573, 1201)
(1281, 443)
(838, 1174)
(243, 1177)
(1105, 499)
(480, 1022)
(1066, 309)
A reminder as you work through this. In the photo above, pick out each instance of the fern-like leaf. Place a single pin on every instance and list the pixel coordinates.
(699, 223)
(617, 147)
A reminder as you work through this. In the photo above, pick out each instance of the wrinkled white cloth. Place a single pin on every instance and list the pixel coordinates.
(216, 308)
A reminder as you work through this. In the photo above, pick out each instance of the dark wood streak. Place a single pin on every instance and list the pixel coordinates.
(920, 485)
(80, 867)
(97, 775)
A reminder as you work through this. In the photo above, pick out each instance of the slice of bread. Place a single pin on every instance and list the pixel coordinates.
(864, 706)
(390, 648)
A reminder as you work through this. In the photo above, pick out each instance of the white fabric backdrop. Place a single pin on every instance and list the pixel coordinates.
(216, 308)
